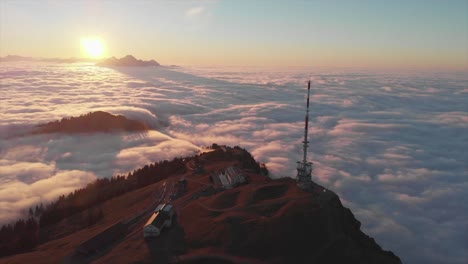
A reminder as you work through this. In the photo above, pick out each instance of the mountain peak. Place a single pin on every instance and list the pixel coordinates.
(128, 60)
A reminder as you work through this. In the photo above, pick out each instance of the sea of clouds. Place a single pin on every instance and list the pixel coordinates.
(393, 146)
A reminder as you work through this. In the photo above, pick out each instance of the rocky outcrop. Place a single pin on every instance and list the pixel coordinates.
(128, 60)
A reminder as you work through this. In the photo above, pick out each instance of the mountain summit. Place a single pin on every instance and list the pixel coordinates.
(258, 220)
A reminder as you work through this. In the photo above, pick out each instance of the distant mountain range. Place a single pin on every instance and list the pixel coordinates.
(128, 60)
(12, 58)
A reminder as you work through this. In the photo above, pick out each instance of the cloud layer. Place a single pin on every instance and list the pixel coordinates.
(393, 146)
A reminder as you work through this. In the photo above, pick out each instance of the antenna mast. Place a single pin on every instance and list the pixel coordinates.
(304, 168)
(306, 130)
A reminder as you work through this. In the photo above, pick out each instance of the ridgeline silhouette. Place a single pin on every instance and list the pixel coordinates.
(98, 121)
(128, 60)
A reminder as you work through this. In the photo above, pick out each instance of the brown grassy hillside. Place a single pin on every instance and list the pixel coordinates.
(264, 221)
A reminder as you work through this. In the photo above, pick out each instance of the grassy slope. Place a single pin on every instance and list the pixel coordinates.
(117, 209)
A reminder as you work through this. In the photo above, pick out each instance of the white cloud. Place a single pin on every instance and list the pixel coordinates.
(194, 11)
(157, 147)
(25, 171)
(392, 146)
(16, 195)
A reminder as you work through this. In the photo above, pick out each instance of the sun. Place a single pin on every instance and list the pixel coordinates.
(93, 47)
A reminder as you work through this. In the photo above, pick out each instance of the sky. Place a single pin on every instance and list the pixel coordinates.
(352, 34)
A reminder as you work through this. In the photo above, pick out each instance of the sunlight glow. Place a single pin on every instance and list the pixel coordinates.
(93, 47)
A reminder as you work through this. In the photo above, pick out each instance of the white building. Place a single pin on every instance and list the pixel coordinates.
(229, 178)
(159, 207)
(161, 218)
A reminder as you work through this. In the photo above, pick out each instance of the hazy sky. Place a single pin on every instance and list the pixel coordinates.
(403, 34)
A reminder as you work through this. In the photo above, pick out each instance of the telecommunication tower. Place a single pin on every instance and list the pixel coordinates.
(304, 168)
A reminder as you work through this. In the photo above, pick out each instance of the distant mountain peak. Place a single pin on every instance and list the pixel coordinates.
(128, 60)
